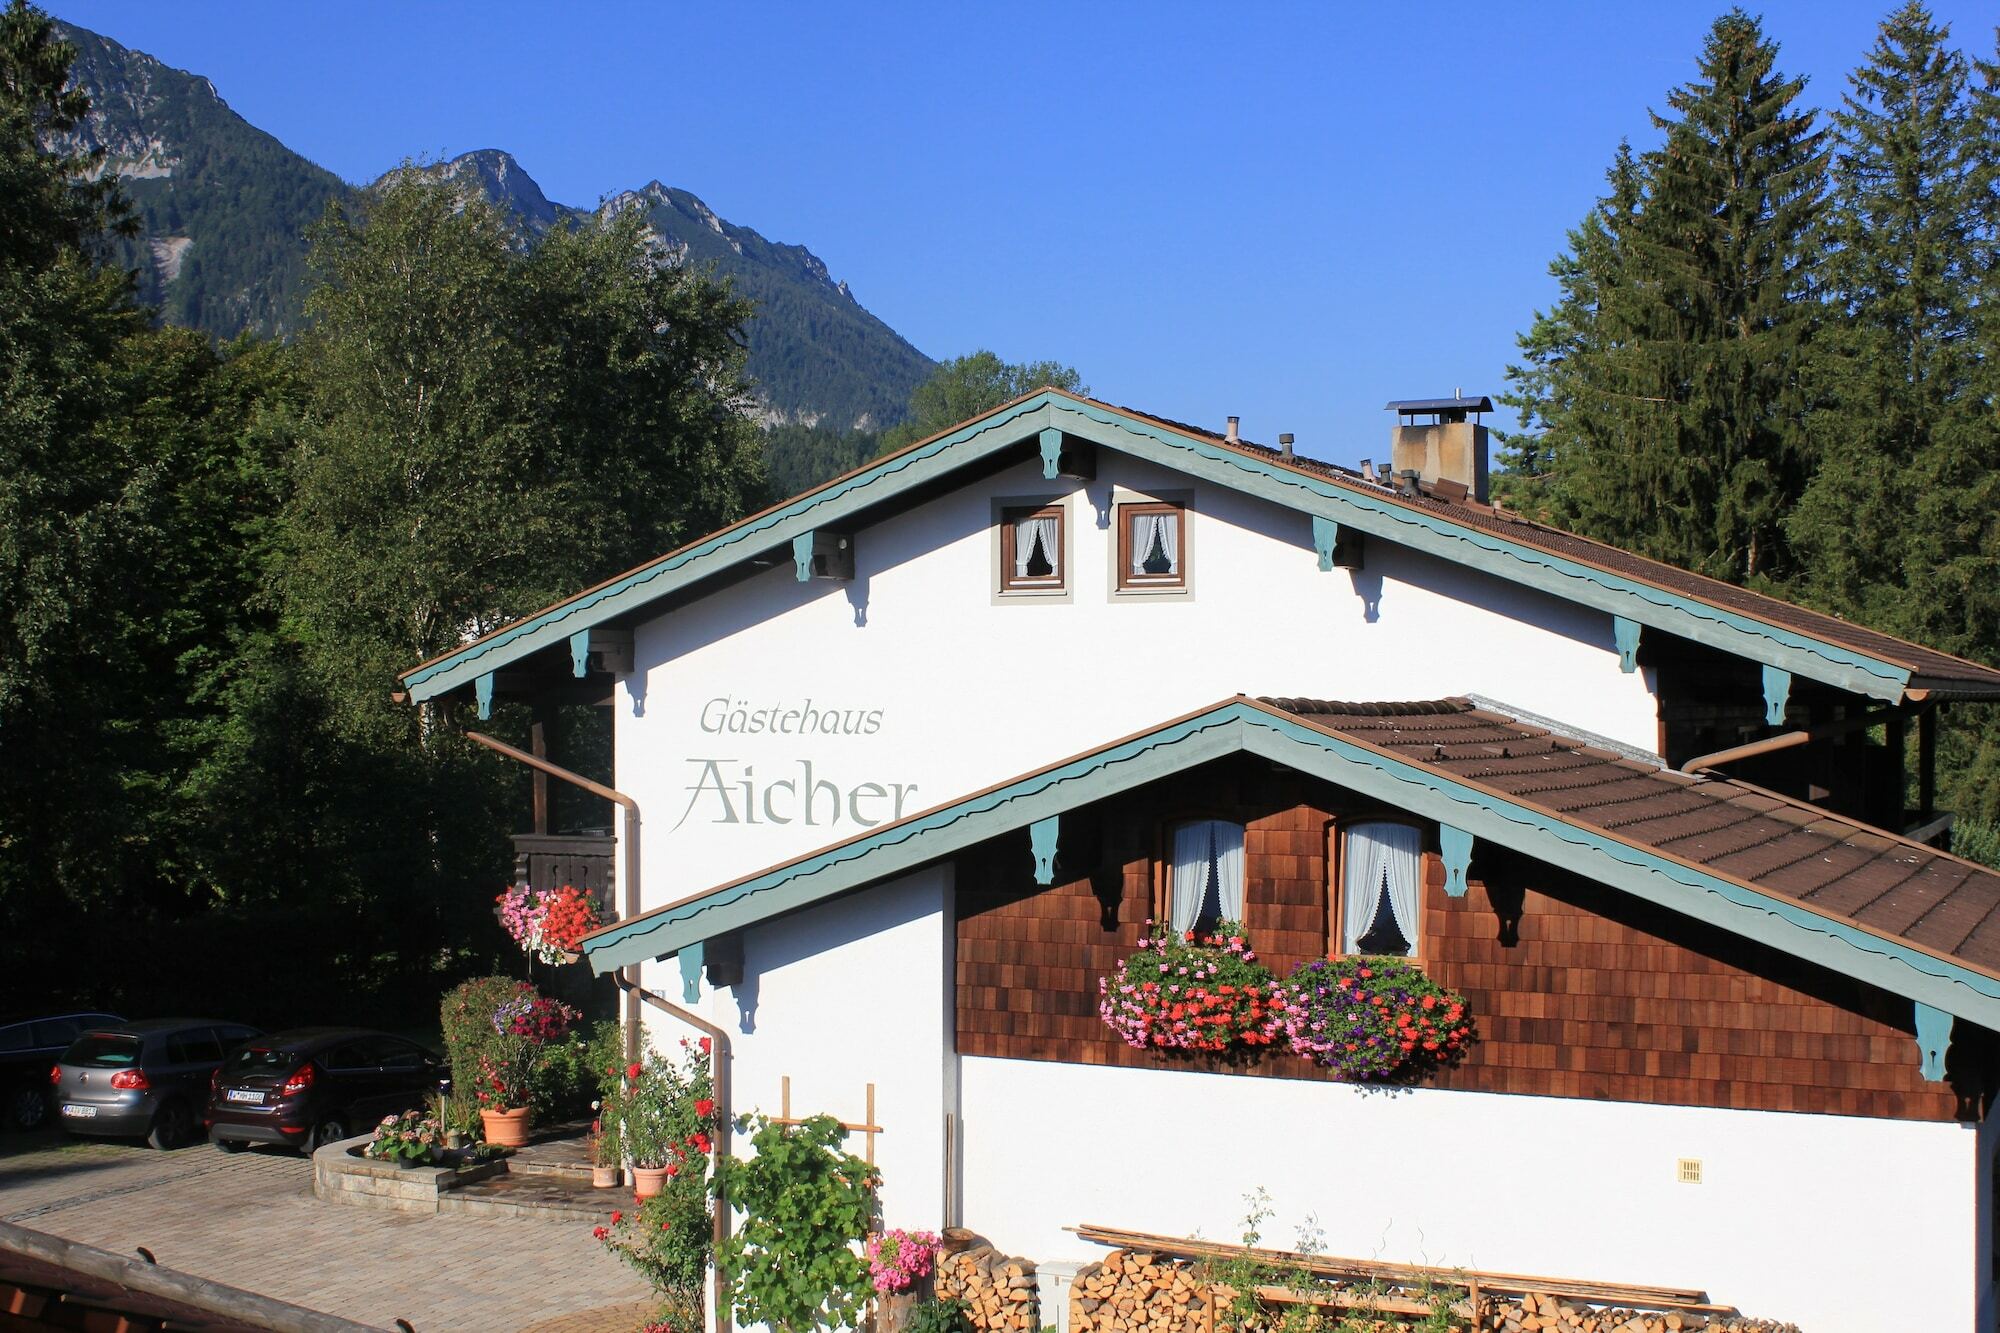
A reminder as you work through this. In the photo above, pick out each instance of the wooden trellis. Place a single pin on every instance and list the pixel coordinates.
(868, 1130)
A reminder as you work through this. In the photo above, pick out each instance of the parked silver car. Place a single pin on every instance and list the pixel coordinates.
(148, 1079)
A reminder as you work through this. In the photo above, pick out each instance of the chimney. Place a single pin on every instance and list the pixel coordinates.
(1435, 438)
(1285, 444)
(1232, 436)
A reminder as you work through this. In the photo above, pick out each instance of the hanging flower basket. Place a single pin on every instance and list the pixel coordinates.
(548, 924)
(1194, 993)
(1379, 1020)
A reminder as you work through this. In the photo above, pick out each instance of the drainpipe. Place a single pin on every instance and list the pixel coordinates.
(629, 808)
(627, 980)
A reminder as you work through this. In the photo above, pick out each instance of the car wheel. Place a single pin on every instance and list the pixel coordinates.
(27, 1108)
(171, 1124)
(330, 1130)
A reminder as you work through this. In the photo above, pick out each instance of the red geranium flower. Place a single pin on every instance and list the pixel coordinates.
(634, 1070)
(704, 1108)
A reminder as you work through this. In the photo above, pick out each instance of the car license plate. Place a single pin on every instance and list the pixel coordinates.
(80, 1112)
(245, 1095)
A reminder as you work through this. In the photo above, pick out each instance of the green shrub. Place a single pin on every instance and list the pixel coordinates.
(806, 1205)
(940, 1314)
(466, 1017)
(1976, 840)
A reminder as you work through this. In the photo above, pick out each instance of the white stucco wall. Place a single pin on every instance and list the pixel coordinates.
(838, 997)
(951, 688)
(1841, 1224)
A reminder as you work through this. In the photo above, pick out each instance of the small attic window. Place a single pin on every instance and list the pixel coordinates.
(1152, 545)
(1031, 549)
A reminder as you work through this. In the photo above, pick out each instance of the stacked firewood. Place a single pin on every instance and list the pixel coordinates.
(1130, 1292)
(998, 1290)
(1133, 1291)
(1534, 1313)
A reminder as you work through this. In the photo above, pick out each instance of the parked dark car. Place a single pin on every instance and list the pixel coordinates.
(141, 1079)
(27, 1049)
(313, 1086)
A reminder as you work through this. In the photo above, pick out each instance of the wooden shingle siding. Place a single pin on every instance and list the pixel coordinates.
(1600, 996)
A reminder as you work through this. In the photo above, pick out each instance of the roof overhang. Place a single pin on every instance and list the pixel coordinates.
(1048, 415)
(1246, 726)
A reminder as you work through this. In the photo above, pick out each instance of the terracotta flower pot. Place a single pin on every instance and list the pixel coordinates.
(506, 1129)
(648, 1180)
(604, 1177)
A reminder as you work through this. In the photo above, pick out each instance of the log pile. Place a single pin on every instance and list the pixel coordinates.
(1540, 1313)
(1136, 1291)
(998, 1290)
(1132, 1292)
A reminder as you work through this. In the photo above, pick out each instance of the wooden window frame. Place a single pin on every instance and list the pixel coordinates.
(1336, 883)
(1163, 860)
(1126, 511)
(1009, 581)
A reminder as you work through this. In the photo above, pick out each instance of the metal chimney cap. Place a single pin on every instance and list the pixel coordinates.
(1455, 407)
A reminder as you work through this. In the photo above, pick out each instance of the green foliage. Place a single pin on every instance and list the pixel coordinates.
(667, 1112)
(465, 1017)
(666, 1117)
(798, 458)
(793, 1263)
(1662, 396)
(940, 1314)
(968, 385)
(1976, 840)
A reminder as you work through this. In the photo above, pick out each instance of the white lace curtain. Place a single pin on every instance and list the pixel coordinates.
(1206, 851)
(1151, 531)
(1029, 533)
(1380, 854)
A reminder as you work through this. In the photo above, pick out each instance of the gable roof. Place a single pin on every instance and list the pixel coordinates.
(1644, 592)
(1890, 912)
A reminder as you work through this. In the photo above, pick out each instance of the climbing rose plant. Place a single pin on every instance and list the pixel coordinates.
(1193, 993)
(1374, 1019)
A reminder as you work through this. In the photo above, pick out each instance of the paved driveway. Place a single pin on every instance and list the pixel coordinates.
(250, 1220)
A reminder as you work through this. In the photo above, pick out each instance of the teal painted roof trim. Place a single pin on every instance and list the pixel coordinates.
(1382, 516)
(1385, 517)
(1244, 726)
(771, 530)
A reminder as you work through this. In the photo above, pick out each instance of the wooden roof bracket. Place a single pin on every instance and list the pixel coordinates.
(1933, 1041)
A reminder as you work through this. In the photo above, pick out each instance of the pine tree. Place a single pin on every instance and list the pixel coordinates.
(1672, 400)
(1899, 424)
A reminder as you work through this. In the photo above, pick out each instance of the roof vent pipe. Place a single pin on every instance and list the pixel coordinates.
(1285, 444)
(1232, 436)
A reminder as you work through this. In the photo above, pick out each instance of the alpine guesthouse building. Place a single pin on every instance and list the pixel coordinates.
(912, 761)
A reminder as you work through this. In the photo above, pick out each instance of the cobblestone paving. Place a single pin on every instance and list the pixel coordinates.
(250, 1220)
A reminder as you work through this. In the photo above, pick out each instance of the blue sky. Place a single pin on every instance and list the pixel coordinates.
(1287, 212)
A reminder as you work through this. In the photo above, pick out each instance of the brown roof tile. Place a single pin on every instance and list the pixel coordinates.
(1848, 870)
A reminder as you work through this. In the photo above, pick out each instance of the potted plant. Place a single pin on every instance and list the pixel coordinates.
(548, 924)
(666, 1116)
(410, 1139)
(1379, 1020)
(606, 1153)
(1194, 993)
(522, 1026)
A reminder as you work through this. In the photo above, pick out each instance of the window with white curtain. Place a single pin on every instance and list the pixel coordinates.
(1152, 542)
(1205, 876)
(1031, 549)
(1380, 888)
